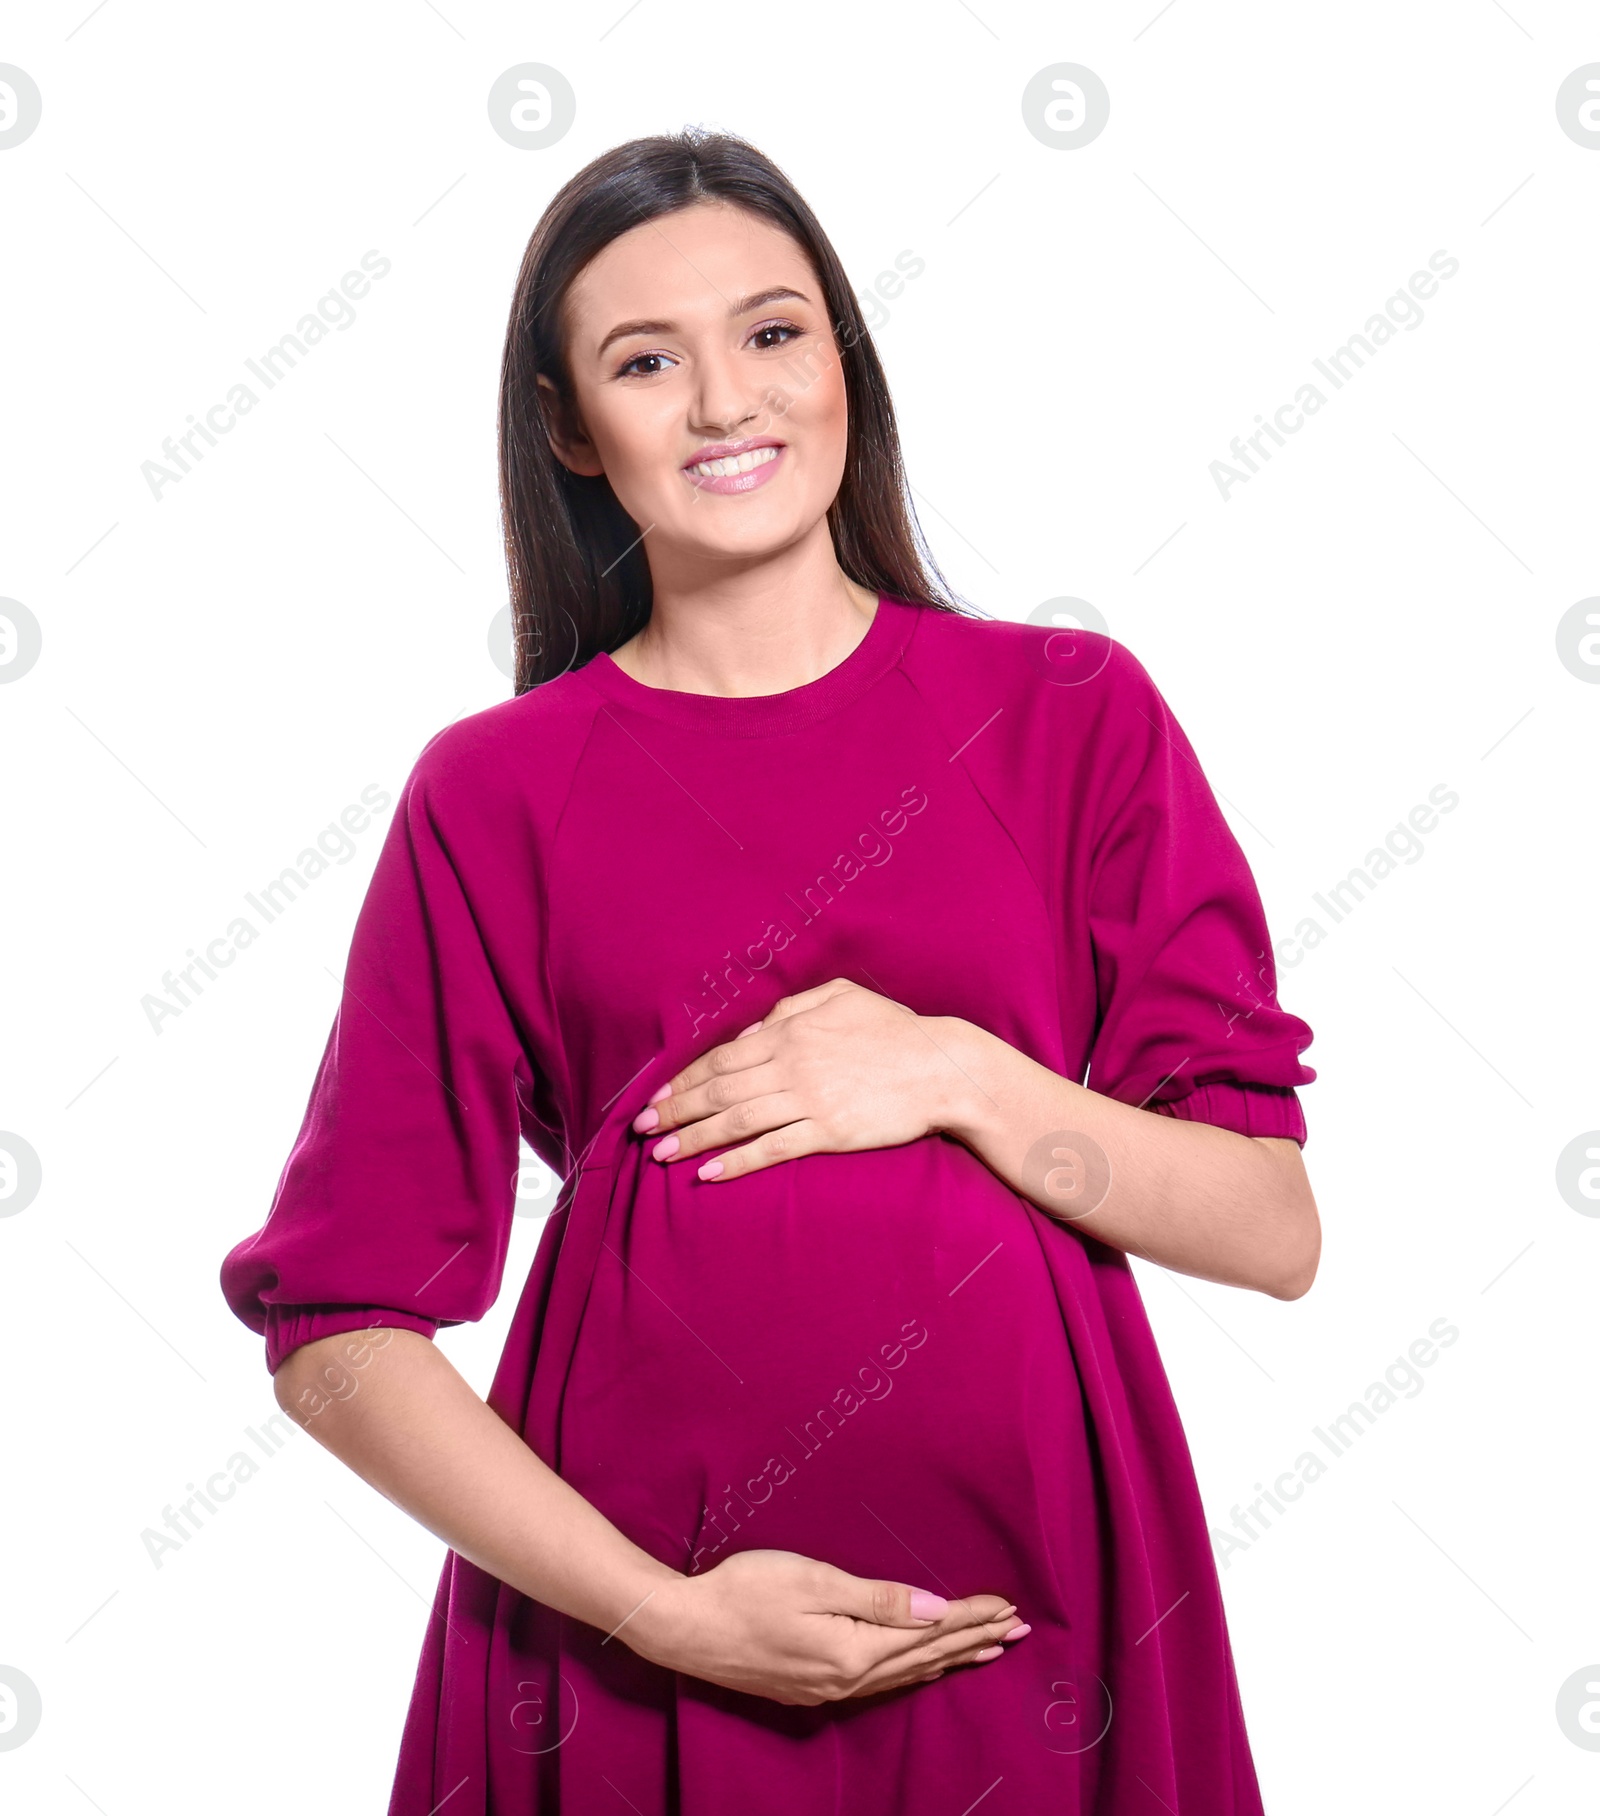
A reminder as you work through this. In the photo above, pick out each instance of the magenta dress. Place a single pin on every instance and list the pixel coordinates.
(887, 1360)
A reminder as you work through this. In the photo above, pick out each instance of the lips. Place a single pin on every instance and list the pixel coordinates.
(732, 468)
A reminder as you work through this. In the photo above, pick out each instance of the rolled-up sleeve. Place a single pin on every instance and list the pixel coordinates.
(1189, 1022)
(395, 1205)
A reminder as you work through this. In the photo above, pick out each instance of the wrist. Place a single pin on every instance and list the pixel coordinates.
(656, 1628)
(964, 1107)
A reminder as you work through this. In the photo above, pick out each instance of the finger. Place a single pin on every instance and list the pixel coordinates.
(887, 1603)
(943, 1650)
(927, 1658)
(735, 1055)
(962, 1642)
(810, 999)
(724, 1092)
(883, 1602)
(758, 1117)
(987, 1640)
(974, 1610)
(786, 1143)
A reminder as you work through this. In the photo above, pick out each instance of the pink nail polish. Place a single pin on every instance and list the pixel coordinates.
(711, 1169)
(926, 1606)
(1015, 1633)
(665, 1091)
(986, 1654)
(664, 1150)
(646, 1120)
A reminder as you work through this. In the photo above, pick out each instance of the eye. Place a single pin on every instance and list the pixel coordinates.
(625, 370)
(787, 328)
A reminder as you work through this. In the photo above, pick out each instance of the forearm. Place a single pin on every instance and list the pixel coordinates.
(403, 1418)
(1192, 1197)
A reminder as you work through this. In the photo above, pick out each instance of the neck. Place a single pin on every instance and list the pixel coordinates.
(763, 630)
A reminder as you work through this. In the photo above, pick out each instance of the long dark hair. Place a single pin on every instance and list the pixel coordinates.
(579, 579)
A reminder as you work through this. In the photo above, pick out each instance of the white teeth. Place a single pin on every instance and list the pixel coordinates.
(743, 463)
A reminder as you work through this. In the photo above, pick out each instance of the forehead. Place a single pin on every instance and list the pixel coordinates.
(686, 266)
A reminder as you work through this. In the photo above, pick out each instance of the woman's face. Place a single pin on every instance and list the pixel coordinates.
(698, 330)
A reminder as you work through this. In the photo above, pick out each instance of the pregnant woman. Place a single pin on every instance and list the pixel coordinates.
(877, 977)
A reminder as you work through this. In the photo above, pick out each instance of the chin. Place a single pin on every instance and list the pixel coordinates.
(750, 535)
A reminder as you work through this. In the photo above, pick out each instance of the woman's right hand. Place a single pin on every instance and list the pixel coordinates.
(783, 1626)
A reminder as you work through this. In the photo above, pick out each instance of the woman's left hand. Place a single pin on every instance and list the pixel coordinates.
(828, 1071)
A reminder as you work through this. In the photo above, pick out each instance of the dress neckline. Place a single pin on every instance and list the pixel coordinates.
(756, 715)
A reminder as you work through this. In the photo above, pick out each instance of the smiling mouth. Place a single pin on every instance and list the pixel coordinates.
(740, 463)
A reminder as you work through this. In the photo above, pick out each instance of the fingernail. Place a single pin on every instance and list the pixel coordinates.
(711, 1169)
(664, 1150)
(926, 1606)
(1015, 1633)
(987, 1653)
(665, 1091)
(646, 1120)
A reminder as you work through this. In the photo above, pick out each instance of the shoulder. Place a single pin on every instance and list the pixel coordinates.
(519, 753)
(1080, 681)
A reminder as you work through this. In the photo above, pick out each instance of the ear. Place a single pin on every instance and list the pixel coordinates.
(565, 433)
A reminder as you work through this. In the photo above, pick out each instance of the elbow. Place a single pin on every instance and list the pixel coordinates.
(1298, 1267)
(1295, 1285)
(1290, 1264)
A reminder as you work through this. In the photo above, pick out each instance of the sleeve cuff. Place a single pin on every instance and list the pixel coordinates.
(291, 1326)
(1246, 1109)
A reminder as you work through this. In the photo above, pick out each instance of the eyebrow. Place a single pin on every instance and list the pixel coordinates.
(742, 306)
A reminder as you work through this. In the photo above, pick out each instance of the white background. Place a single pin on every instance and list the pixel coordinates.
(1373, 614)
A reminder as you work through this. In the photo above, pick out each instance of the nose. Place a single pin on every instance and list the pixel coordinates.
(727, 400)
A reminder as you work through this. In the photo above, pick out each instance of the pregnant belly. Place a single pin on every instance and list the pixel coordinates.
(859, 1357)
